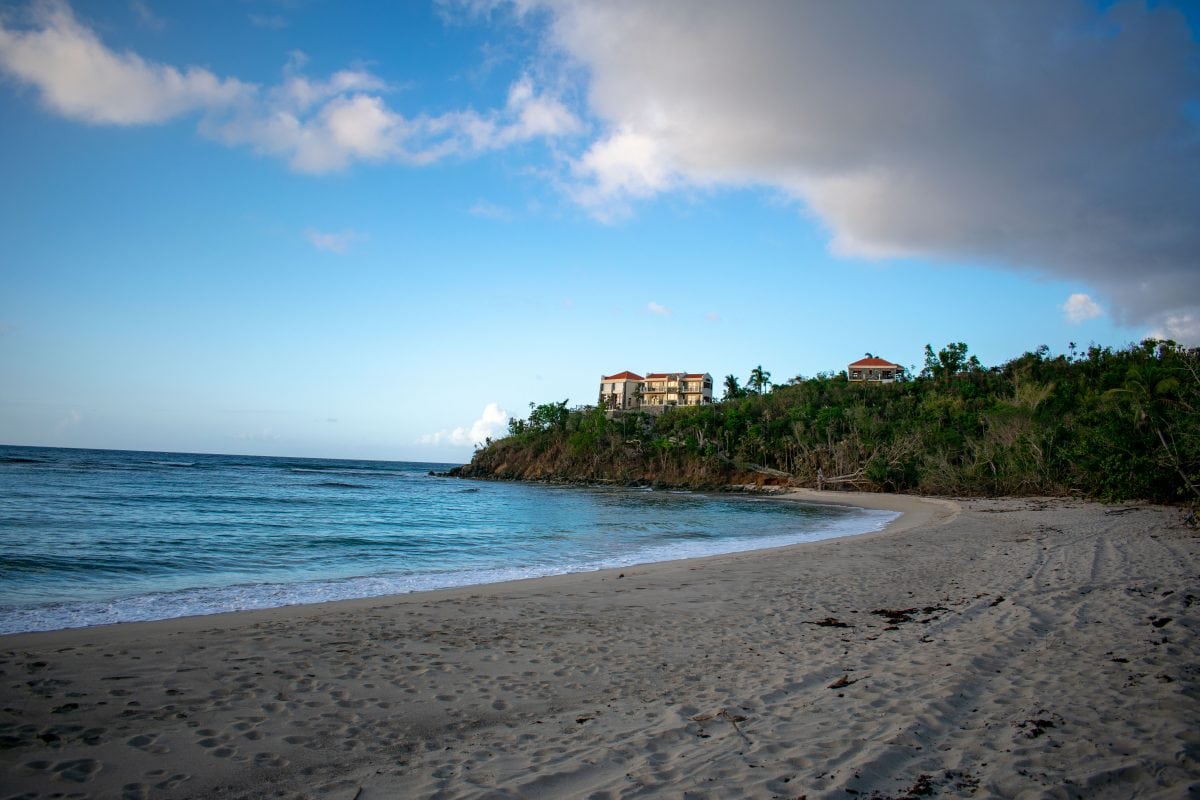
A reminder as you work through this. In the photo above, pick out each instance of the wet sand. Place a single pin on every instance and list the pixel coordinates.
(982, 648)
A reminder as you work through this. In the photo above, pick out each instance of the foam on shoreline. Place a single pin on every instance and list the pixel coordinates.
(239, 597)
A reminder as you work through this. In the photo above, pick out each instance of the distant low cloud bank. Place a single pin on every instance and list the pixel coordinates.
(492, 421)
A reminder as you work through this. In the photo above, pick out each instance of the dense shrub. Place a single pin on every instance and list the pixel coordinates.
(1113, 424)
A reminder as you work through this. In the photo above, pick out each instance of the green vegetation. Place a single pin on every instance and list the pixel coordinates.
(1113, 424)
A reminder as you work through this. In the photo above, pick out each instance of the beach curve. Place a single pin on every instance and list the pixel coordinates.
(1032, 647)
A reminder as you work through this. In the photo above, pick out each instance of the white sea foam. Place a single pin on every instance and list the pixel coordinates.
(251, 596)
(89, 537)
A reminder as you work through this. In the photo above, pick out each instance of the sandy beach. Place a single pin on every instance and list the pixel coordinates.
(979, 648)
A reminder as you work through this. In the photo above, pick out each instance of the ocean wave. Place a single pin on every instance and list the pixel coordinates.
(340, 469)
(300, 530)
(252, 596)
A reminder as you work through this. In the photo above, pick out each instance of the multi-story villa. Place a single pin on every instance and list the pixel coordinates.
(622, 391)
(873, 370)
(655, 392)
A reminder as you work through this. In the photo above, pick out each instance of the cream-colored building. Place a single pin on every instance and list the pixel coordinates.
(622, 391)
(655, 392)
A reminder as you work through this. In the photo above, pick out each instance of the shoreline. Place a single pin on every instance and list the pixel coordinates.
(981, 647)
(913, 511)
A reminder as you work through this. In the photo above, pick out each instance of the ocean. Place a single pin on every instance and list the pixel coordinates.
(91, 537)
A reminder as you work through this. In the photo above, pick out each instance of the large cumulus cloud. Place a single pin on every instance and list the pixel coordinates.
(1044, 136)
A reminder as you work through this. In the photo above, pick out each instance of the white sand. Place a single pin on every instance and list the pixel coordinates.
(1049, 649)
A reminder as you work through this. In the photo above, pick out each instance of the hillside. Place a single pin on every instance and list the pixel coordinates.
(1113, 424)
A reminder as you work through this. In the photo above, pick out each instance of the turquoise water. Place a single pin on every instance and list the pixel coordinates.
(90, 537)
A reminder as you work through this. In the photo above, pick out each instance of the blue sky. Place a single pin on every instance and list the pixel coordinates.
(372, 230)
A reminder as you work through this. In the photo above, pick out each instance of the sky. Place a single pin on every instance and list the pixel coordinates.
(378, 230)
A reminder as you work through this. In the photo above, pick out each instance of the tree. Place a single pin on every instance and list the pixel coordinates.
(1161, 392)
(949, 361)
(1111, 424)
(759, 380)
(548, 416)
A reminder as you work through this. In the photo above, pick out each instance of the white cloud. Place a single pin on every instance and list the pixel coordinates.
(1037, 136)
(333, 242)
(712, 316)
(316, 125)
(82, 79)
(273, 22)
(71, 420)
(264, 435)
(534, 116)
(486, 210)
(1080, 307)
(146, 16)
(656, 308)
(490, 422)
(622, 166)
(1182, 328)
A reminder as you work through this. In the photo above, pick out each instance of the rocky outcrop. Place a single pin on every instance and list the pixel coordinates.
(556, 463)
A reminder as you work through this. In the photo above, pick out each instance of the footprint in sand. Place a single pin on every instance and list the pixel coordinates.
(215, 742)
(264, 760)
(148, 742)
(173, 781)
(79, 770)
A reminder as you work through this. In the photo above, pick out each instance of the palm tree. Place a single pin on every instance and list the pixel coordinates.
(759, 380)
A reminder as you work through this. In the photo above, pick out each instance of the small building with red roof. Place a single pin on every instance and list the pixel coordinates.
(873, 370)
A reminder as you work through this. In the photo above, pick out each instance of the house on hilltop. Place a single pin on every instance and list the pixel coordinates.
(622, 391)
(873, 370)
(657, 391)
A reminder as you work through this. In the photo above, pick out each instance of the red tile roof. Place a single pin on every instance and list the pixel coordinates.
(873, 362)
(623, 376)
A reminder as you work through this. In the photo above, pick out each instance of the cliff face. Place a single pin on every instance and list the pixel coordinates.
(557, 462)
